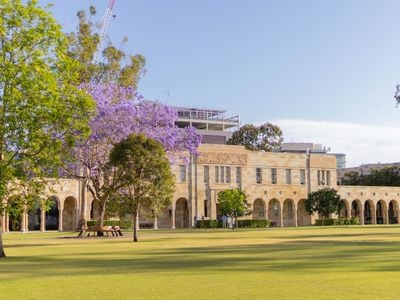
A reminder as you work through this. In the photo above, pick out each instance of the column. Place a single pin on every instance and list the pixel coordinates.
(3, 222)
(23, 222)
(373, 216)
(173, 216)
(60, 220)
(281, 214)
(155, 222)
(77, 218)
(7, 228)
(27, 222)
(295, 215)
(266, 211)
(362, 215)
(42, 219)
(386, 218)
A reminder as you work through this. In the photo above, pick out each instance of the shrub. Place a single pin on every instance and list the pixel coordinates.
(337, 222)
(208, 224)
(253, 223)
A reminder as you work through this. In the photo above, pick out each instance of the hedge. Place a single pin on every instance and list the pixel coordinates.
(337, 222)
(123, 224)
(241, 223)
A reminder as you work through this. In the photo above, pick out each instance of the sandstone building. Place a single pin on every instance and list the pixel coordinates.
(277, 184)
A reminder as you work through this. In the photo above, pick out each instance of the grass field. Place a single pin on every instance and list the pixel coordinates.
(295, 263)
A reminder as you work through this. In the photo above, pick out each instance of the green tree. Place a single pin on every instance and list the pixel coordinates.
(324, 202)
(42, 110)
(143, 165)
(233, 203)
(266, 137)
(116, 66)
(351, 178)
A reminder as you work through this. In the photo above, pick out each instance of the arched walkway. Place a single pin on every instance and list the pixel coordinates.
(344, 209)
(393, 212)
(289, 213)
(15, 212)
(52, 214)
(69, 214)
(356, 209)
(34, 218)
(381, 212)
(369, 212)
(274, 212)
(303, 217)
(181, 213)
(258, 209)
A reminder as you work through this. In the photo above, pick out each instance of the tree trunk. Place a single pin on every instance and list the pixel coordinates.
(101, 218)
(135, 225)
(2, 253)
(236, 222)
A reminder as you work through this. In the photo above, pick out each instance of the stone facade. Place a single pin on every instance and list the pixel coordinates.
(276, 184)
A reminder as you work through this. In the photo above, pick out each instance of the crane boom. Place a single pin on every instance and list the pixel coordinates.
(105, 22)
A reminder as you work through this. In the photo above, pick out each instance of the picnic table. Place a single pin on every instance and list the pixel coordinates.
(99, 231)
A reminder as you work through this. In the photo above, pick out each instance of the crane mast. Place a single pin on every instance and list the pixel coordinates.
(105, 22)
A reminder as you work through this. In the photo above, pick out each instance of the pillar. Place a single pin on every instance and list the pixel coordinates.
(7, 223)
(60, 219)
(373, 215)
(281, 214)
(155, 226)
(173, 216)
(295, 214)
(362, 215)
(42, 219)
(3, 222)
(23, 221)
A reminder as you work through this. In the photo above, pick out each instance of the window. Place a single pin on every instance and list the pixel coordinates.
(288, 176)
(222, 174)
(206, 174)
(324, 177)
(273, 176)
(328, 178)
(182, 173)
(205, 208)
(319, 177)
(216, 174)
(302, 176)
(238, 175)
(228, 174)
(258, 175)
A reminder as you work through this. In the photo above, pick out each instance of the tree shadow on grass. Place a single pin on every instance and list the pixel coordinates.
(291, 256)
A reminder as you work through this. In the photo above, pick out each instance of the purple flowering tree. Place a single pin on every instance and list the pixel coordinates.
(121, 112)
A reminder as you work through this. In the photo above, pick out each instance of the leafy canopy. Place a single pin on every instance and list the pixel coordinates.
(233, 203)
(264, 137)
(144, 168)
(324, 201)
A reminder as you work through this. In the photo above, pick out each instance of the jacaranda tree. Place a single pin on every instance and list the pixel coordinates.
(120, 112)
(42, 110)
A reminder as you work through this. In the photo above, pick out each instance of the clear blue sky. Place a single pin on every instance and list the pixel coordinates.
(335, 61)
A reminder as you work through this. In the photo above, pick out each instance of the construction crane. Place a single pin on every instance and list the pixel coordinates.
(105, 22)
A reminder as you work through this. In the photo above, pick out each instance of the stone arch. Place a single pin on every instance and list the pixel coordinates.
(15, 213)
(369, 212)
(356, 209)
(303, 217)
(34, 218)
(289, 213)
(381, 212)
(69, 213)
(52, 214)
(344, 208)
(393, 212)
(258, 209)
(181, 213)
(274, 212)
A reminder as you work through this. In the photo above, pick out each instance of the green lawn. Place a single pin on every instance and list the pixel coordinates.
(297, 263)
